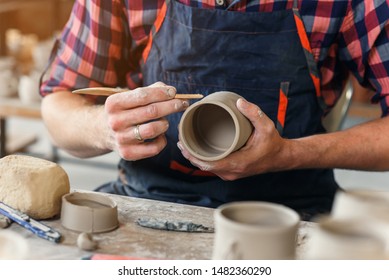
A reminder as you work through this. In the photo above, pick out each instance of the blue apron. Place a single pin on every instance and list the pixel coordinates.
(265, 57)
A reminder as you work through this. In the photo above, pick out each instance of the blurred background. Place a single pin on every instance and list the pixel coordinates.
(27, 32)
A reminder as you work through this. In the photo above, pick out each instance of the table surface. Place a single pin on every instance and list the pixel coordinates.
(132, 240)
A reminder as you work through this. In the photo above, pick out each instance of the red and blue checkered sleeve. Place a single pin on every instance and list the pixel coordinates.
(364, 47)
(91, 49)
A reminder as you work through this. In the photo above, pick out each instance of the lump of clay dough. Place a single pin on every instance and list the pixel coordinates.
(32, 185)
(4, 221)
(85, 242)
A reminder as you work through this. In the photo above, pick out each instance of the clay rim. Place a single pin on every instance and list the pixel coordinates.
(293, 218)
(232, 115)
(381, 197)
(97, 198)
(347, 227)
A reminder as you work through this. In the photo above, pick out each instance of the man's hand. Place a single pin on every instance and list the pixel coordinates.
(136, 120)
(259, 155)
(85, 129)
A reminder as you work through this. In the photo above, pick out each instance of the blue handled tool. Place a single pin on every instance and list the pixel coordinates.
(25, 221)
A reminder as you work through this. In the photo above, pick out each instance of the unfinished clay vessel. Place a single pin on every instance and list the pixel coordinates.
(213, 127)
(255, 230)
(13, 246)
(89, 212)
(343, 239)
(365, 206)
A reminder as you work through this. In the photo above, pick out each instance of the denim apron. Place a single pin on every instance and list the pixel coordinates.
(266, 58)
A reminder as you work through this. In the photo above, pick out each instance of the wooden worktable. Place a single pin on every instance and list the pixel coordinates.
(132, 240)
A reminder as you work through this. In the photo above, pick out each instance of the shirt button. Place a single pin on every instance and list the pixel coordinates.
(220, 2)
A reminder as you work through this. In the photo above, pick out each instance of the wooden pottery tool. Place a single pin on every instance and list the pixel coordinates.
(107, 91)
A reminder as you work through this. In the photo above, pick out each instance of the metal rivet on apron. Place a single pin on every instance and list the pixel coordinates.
(220, 2)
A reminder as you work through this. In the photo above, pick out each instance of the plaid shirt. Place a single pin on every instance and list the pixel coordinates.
(102, 43)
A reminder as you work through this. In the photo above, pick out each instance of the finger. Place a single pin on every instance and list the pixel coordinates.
(202, 165)
(143, 149)
(153, 130)
(139, 97)
(158, 84)
(150, 112)
(146, 131)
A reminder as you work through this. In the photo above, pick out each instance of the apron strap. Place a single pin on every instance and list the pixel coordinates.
(295, 4)
(154, 29)
(312, 65)
(282, 106)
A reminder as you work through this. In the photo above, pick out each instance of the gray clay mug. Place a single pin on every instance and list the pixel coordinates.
(254, 230)
(213, 127)
(344, 239)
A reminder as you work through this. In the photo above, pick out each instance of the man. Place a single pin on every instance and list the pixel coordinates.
(288, 59)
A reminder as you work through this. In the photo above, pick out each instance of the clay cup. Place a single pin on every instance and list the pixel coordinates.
(366, 207)
(343, 239)
(255, 230)
(213, 127)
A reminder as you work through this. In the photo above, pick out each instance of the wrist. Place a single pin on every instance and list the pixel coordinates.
(103, 135)
(287, 157)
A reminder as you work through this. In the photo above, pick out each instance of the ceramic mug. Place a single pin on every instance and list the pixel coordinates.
(13, 246)
(255, 230)
(343, 239)
(366, 206)
(213, 127)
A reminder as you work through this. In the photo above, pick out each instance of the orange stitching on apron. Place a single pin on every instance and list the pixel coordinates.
(174, 165)
(307, 50)
(282, 106)
(157, 25)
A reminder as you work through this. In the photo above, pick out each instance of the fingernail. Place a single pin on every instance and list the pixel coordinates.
(181, 105)
(171, 92)
(185, 104)
(242, 103)
(179, 146)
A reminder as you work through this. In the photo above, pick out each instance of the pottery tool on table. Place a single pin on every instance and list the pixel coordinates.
(107, 91)
(32, 225)
(173, 225)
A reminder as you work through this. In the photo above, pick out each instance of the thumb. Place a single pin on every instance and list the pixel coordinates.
(251, 111)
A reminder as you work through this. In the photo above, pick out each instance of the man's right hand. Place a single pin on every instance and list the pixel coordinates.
(85, 129)
(138, 115)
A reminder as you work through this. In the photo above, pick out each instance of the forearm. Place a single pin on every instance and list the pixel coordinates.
(363, 147)
(76, 125)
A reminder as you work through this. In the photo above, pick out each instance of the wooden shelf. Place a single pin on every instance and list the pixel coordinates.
(13, 107)
(39, 17)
